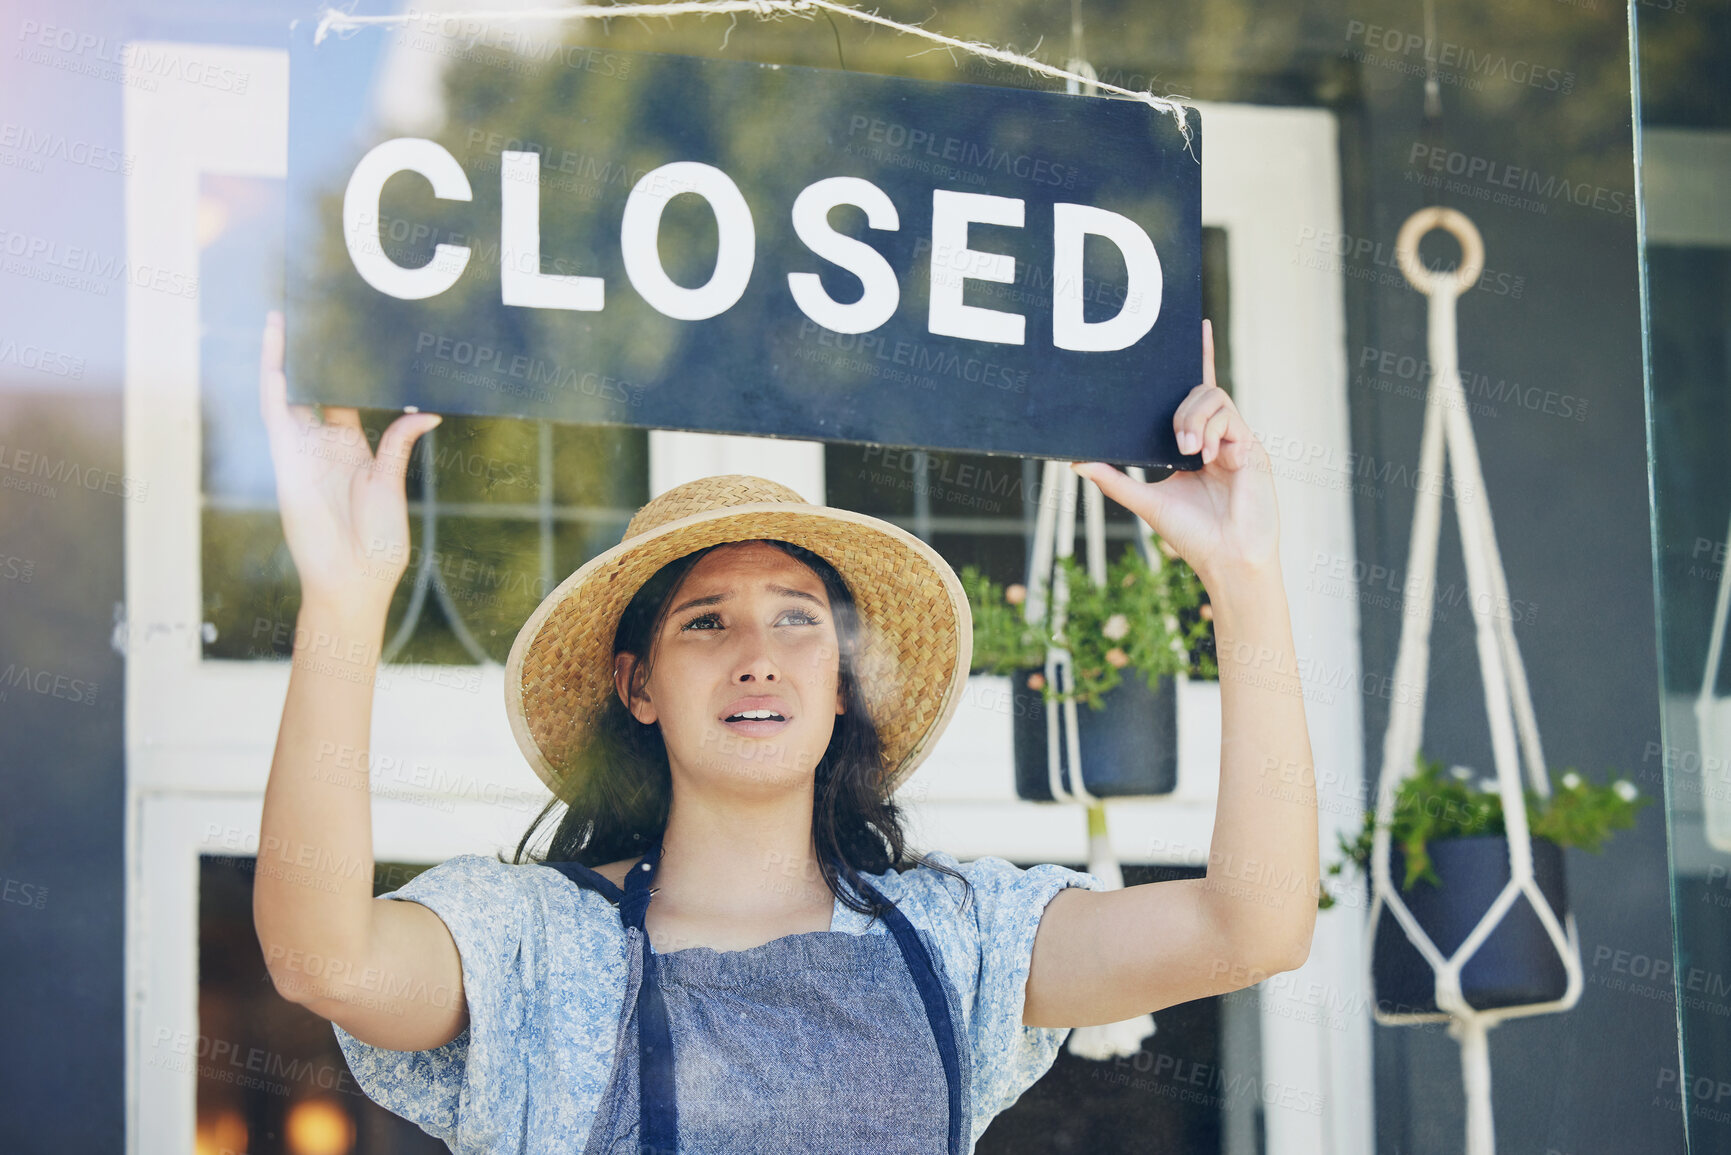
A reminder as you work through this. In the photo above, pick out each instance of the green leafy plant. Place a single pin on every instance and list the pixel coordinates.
(1152, 621)
(1436, 804)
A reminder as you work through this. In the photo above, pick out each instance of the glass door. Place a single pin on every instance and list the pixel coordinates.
(1685, 169)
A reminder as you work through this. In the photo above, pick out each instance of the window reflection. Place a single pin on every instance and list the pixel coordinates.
(500, 510)
(271, 1078)
(273, 1081)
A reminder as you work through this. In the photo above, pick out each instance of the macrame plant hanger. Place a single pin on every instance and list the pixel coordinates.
(1713, 725)
(1055, 537)
(1448, 434)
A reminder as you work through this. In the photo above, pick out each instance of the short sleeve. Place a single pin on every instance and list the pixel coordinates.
(996, 939)
(472, 1091)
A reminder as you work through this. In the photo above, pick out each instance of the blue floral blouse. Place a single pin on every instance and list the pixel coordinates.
(544, 975)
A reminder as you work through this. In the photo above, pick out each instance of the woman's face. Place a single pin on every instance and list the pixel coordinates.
(749, 629)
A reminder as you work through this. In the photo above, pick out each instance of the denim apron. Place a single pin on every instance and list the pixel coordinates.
(825, 1042)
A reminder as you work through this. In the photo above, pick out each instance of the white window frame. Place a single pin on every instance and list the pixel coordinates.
(200, 733)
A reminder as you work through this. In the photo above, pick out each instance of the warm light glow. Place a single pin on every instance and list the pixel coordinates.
(212, 220)
(319, 1127)
(221, 1134)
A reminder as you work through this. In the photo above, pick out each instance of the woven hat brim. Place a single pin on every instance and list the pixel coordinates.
(912, 665)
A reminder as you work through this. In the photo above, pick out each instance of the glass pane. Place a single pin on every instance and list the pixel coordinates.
(601, 468)
(576, 541)
(271, 1078)
(251, 591)
(1514, 115)
(492, 576)
(1217, 301)
(517, 505)
(1182, 1091)
(240, 278)
(485, 460)
(1686, 260)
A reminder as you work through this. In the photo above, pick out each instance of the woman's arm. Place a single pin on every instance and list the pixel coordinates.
(1101, 957)
(327, 942)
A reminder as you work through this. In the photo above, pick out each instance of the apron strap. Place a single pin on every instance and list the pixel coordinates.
(657, 1108)
(591, 878)
(925, 975)
(658, 1113)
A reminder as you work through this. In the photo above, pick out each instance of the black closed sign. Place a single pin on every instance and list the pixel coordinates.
(570, 233)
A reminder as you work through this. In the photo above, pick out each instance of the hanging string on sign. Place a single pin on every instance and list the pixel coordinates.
(333, 20)
(1055, 537)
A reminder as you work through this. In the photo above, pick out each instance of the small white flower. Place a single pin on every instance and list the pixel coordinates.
(1171, 623)
(1571, 781)
(1490, 785)
(1116, 626)
(1625, 790)
(1461, 773)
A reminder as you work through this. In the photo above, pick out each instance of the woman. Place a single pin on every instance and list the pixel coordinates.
(724, 703)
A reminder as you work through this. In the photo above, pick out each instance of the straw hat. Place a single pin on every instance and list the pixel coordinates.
(916, 628)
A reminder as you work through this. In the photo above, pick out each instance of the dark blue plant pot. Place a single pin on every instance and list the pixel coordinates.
(1129, 749)
(1517, 965)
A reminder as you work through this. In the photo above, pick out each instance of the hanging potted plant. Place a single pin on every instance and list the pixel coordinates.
(1449, 856)
(1155, 623)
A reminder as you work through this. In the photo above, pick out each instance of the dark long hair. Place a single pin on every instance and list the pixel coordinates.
(624, 786)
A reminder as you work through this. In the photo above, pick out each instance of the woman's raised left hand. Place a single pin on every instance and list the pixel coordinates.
(1221, 518)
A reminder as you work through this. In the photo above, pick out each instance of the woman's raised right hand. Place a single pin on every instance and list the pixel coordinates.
(344, 509)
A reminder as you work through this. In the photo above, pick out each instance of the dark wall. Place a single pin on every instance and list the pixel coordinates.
(64, 496)
(1555, 378)
(62, 769)
(62, 781)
